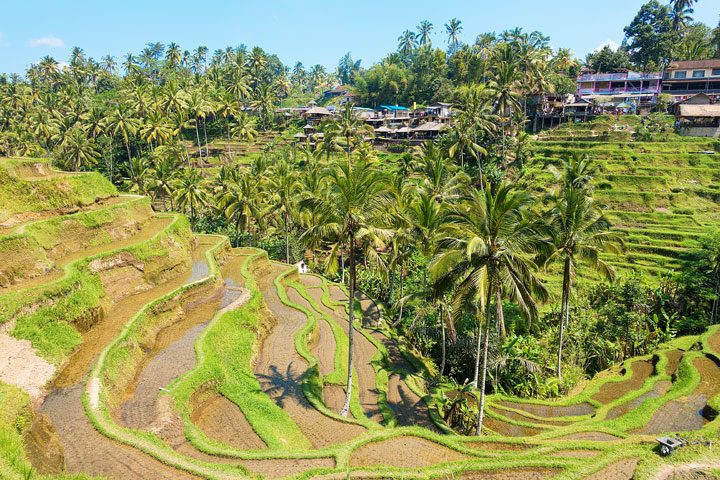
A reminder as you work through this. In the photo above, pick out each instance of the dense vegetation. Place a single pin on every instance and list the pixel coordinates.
(480, 268)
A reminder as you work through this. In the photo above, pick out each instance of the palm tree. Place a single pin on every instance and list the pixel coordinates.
(173, 55)
(350, 127)
(243, 128)
(164, 173)
(580, 231)
(139, 176)
(157, 129)
(488, 246)
(349, 215)
(407, 42)
(453, 29)
(681, 13)
(121, 122)
(423, 35)
(190, 191)
(198, 107)
(237, 203)
(284, 184)
(78, 150)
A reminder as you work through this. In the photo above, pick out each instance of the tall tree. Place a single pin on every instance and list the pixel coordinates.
(488, 245)
(580, 232)
(423, 35)
(350, 215)
(651, 36)
(453, 29)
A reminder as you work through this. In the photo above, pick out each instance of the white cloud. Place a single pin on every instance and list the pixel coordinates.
(53, 42)
(608, 43)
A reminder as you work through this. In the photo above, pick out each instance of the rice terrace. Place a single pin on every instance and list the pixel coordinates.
(481, 256)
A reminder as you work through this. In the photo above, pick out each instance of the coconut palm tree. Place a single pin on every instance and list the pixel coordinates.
(122, 123)
(423, 35)
(164, 173)
(237, 203)
(78, 150)
(407, 42)
(157, 129)
(190, 191)
(453, 29)
(349, 127)
(173, 55)
(350, 216)
(284, 185)
(139, 176)
(580, 232)
(243, 128)
(488, 245)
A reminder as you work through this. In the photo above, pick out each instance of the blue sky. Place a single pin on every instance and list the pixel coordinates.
(309, 31)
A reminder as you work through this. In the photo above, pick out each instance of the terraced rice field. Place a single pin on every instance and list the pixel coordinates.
(662, 194)
(168, 355)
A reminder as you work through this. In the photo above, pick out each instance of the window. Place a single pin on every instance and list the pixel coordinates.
(698, 73)
(666, 75)
(716, 72)
(680, 74)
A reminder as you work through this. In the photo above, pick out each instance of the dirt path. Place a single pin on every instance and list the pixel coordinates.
(686, 413)
(279, 370)
(686, 471)
(21, 366)
(364, 350)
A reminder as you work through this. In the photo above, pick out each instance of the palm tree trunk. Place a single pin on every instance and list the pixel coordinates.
(287, 240)
(486, 342)
(442, 329)
(207, 149)
(500, 320)
(197, 134)
(237, 232)
(351, 328)
(716, 302)
(127, 145)
(479, 347)
(564, 314)
(342, 266)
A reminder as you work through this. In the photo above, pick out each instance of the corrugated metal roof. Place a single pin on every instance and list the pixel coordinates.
(700, 110)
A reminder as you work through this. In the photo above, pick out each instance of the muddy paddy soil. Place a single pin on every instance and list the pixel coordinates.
(363, 353)
(551, 410)
(512, 474)
(641, 371)
(279, 369)
(622, 470)
(85, 450)
(687, 413)
(404, 452)
(409, 409)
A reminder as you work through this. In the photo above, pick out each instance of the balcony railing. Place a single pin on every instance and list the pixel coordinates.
(606, 77)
